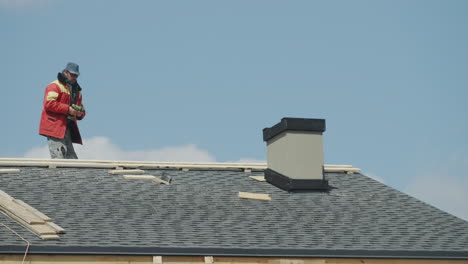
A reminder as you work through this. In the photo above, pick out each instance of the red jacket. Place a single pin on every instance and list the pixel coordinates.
(54, 114)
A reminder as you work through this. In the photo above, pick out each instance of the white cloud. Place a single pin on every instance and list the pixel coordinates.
(101, 148)
(445, 192)
(444, 185)
(441, 183)
(247, 160)
(23, 3)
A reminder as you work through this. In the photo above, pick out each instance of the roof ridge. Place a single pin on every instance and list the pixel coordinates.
(54, 163)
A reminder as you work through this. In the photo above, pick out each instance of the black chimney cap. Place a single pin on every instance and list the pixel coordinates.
(295, 124)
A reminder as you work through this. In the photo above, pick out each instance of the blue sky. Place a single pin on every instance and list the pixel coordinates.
(199, 80)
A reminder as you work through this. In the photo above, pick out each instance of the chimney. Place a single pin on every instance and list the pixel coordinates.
(295, 154)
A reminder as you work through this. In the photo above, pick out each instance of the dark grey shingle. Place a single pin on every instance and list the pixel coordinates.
(200, 213)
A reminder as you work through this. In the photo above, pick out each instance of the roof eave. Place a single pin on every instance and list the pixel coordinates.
(237, 252)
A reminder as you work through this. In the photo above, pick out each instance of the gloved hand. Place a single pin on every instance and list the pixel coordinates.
(75, 111)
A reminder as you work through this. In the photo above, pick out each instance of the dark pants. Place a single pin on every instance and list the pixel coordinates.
(61, 148)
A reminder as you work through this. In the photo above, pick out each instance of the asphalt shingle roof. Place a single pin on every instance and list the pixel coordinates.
(200, 213)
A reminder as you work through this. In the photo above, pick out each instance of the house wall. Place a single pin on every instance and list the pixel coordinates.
(80, 259)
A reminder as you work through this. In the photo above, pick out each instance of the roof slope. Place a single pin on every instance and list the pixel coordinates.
(200, 213)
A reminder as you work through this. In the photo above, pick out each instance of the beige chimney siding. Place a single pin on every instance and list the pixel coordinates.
(296, 154)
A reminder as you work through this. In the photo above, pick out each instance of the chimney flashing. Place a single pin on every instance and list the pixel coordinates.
(288, 184)
(294, 124)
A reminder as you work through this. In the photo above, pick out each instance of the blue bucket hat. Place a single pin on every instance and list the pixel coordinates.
(73, 68)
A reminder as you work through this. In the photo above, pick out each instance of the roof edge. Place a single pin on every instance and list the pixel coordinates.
(237, 252)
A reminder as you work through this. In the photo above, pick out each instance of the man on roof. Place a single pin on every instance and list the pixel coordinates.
(62, 108)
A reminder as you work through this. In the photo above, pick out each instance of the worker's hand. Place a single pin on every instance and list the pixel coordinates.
(73, 112)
